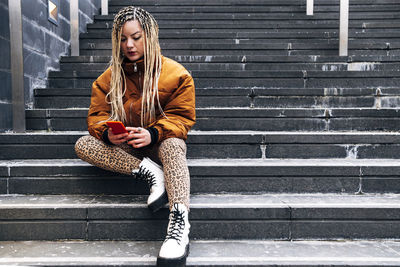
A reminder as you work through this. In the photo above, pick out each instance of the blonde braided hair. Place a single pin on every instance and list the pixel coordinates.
(152, 66)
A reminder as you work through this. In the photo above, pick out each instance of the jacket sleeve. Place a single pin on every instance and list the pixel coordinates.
(180, 111)
(99, 110)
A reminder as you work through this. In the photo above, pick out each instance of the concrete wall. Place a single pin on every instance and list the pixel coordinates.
(43, 45)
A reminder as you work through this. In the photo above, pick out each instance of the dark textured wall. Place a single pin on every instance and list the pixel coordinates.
(43, 45)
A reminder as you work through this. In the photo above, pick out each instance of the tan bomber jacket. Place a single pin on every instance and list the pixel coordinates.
(177, 97)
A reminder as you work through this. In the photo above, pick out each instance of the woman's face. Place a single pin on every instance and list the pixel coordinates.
(132, 44)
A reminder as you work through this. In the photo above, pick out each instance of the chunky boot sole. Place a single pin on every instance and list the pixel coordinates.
(175, 262)
(159, 203)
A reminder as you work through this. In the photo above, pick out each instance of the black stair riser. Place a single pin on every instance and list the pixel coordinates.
(241, 113)
(243, 24)
(265, 44)
(242, 2)
(250, 92)
(280, 45)
(360, 151)
(367, 32)
(129, 223)
(75, 168)
(200, 184)
(367, 66)
(255, 34)
(260, 9)
(290, 124)
(257, 102)
(270, 29)
(84, 102)
(66, 151)
(210, 138)
(248, 59)
(383, 16)
(283, 52)
(155, 230)
(66, 178)
(261, 83)
(202, 74)
(267, 124)
(281, 183)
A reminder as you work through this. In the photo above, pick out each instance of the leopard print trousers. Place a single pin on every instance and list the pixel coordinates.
(171, 153)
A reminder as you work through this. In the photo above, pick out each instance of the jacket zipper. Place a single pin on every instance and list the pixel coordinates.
(140, 90)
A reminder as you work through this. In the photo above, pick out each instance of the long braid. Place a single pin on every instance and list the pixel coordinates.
(152, 65)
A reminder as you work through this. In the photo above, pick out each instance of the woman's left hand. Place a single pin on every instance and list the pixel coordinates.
(138, 137)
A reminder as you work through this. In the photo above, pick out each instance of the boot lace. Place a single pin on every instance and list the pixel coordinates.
(177, 224)
(146, 175)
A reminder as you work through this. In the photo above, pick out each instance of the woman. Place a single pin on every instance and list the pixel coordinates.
(155, 98)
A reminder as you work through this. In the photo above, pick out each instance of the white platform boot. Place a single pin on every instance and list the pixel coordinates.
(152, 173)
(175, 249)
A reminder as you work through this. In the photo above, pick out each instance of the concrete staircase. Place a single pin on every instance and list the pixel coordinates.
(294, 158)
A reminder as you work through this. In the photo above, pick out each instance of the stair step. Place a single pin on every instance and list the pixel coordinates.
(281, 66)
(243, 2)
(288, 21)
(255, 92)
(327, 31)
(259, 9)
(362, 66)
(293, 16)
(252, 45)
(281, 216)
(224, 144)
(254, 79)
(282, 25)
(267, 43)
(260, 119)
(249, 59)
(310, 28)
(73, 176)
(238, 253)
(55, 98)
(251, 74)
(282, 52)
(199, 64)
(246, 113)
(211, 53)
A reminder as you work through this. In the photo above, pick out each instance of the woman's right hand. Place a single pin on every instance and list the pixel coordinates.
(117, 139)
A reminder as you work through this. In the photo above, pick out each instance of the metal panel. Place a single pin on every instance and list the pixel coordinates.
(74, 15)
(104, 7)
(17, 67)
(344, 28)
(310, 7)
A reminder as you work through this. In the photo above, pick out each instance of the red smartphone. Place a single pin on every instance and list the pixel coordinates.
(117, 127)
